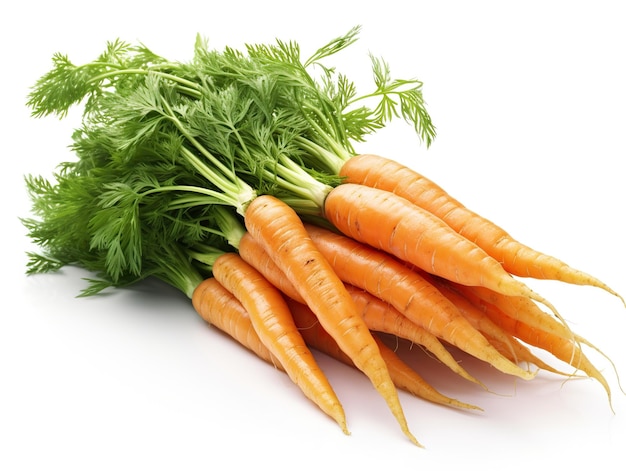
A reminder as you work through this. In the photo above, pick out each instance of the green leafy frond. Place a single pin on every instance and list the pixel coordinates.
(62, 87)
(116, 230)
(170, 154)
(41, 263)
(334, 46)
(116, 52)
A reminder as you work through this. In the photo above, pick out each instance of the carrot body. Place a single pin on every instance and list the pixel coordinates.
(217, 306)
(393, 281)
(378, 315)
(274, 324)
(382, 317)
(281, 233)
(566, 350)
(504, 342)
(517, 258)
(404, 377)
(526, 321)
(409, 380)
(395, 225)
(517, 307)
(254, 253)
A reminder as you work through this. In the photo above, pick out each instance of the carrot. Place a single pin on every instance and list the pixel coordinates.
(393, 224)
(517, 307)
(506, 343)
(408, 379)
(273, 323)
(281, 232)
(404, 377)
(393, 281)
(220, 308)
(530, 324)
(516, 258)
(523, 310)
(377, 314)
(564, 349)
(253, 252)
(382, 317)
(217, 306)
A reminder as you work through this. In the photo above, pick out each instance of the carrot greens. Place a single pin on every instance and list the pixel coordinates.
(261, 116)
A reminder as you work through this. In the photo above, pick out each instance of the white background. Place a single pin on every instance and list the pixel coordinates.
(529, 102)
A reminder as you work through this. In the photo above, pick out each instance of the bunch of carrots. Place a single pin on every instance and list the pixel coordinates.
(234, 178)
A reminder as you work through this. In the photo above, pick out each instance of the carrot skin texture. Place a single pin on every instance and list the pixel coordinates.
(381, 316)
(506, 343)
(391, 280)
(274, 324)
(281, 232)
(378, 315)
(517, 307)
(516, 258)
(217, 306)
(395, 225)
(404, 377)
(566, 350)
(530, 324)
(254, 253)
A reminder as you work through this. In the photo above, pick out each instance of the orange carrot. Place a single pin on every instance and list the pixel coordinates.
(217, 306)
(381, 316)
(281, 233)
(403, 376)
(253, 252)
(409, 380)
(537, 328)
(377, 314)
(520, 308)
(506, 343)
(393, 224)
(517, 258)
(273, 323)
(393, 281)
(564, 349)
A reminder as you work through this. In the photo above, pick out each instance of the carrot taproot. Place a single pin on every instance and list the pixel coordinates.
(219, 307)
(404, 377)
(408, 379)
(516, 258)
(281, 232)
(378, 314)
(504, 342)
(520, 308)
(562, 348)
(381, 316)
(389, 279)
(524, 310)
(254, 253)
(395, 225)
(274, 325)
(532, 325)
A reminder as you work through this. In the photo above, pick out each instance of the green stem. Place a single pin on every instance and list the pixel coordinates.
(205, 255)
(333, 161)
(188, 86)
(237, 193)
